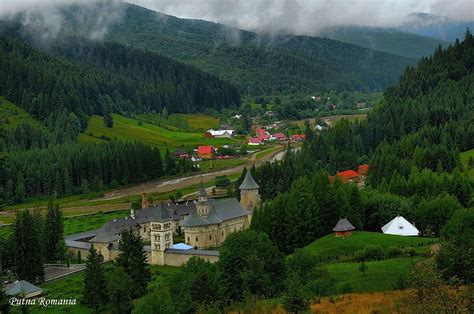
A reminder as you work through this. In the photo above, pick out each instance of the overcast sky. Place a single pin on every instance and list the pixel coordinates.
(306, 17)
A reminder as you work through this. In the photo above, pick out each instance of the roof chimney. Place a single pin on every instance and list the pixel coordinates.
(144, 200)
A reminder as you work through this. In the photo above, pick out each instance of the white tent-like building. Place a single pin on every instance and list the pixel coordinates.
(400, 226)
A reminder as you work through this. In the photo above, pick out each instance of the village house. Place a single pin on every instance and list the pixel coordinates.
(180, 153)
(351, 176)
(205, 152)
(280, 137)
(205, 223)
(343, 228)
(228, 133)
(255, 141)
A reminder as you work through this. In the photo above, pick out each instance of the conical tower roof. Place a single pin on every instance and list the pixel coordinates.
(202, 190)
(248, 183)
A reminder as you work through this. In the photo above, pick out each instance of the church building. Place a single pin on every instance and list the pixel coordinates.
(213, 220)
(206, 223)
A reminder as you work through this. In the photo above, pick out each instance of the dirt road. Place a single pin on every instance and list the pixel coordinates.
(167, 185)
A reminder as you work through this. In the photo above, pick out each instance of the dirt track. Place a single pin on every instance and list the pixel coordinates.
(167, 185)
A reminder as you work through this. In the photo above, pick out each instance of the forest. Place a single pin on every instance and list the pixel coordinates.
(52, 94)
(86, 77)
(257, 63)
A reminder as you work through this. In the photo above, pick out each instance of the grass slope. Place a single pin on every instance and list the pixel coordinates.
(11, 115)
(128, 129)
(332, 246)
(464, 157)
(380, 275)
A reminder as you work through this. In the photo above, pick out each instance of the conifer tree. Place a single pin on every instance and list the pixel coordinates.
(120, 291)
(133, 259)
(54, 233)
(28, 257)
(4, 304)
(94, 294)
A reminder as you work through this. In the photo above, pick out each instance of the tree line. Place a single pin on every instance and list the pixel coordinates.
(81, 168)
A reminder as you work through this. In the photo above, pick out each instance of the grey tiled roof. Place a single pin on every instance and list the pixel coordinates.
(111, 230)
(343, 225)
(248, 183)
(22, 286)
(221, 210)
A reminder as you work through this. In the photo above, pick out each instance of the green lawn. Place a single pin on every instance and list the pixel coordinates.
(380, 275)
(333, 246)
(464, 157)
(128, 129)
(199, 121)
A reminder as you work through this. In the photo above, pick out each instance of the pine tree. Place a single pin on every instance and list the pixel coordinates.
(95, 293)
(54, 233)
(120, 291)
(28, 257)
(4, 304)
(133, 259)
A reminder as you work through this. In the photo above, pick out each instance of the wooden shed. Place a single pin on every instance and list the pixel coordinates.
(343, 228)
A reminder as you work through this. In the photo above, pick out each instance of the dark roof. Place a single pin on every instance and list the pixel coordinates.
(111, 230)
(248, 183)
(343, 225)
(193, 252)
(221, 210)
(22, 286)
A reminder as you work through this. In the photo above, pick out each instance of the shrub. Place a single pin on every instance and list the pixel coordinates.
(409, 251)
(373, 252)
(345, 288)
(359, 255)
(393, 252)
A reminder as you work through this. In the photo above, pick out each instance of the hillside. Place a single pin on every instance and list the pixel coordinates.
(332, 246)
(256, 63)
(129, 129)
(88, 77)
(388, 40)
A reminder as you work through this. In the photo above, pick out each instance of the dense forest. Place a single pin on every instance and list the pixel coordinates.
(411, 142)
(87, 77)
(256, 63)
(52, 91)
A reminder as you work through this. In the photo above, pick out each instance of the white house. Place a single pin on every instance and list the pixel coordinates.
(221, 133)
(400, 226)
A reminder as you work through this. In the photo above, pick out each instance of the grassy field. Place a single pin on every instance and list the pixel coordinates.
(128, 129)
(464, 161)
(331, 120)
(198, 121)
(380, 275)
(11, 115)
(332, 246)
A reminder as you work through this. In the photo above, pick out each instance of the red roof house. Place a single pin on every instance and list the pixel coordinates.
(205, 151)
(264, 137)
(363, 169)
(347, 176)
(255, 141)
(280, 136)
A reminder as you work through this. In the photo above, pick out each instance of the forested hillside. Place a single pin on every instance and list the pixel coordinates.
(256, 63)
(388, 40)
(48, 96)
(85, 77)
(411, 142)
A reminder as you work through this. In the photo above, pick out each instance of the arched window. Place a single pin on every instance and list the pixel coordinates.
(197, 240)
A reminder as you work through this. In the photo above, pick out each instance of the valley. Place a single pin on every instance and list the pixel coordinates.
(288, 162)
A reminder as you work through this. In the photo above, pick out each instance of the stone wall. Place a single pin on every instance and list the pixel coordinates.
(178, 259)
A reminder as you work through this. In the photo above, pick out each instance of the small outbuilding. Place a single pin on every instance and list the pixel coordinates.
(23, 288)
(343, 228)
(400, 226)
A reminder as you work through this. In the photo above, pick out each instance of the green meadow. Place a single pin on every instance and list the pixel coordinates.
(379, 276)
(330, 245)
(11, 115)
(129, 129)
(464, 157)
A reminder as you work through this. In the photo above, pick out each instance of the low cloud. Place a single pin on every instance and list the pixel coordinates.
(302, 17)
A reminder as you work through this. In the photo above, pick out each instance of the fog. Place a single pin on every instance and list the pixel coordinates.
(302, 17)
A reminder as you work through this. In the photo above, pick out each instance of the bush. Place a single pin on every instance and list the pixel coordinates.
(393, 252)
(373, 252)
(359, 255)
(345, 288)
(409, 251)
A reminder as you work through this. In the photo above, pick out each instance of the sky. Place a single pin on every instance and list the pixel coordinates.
(301, 17)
